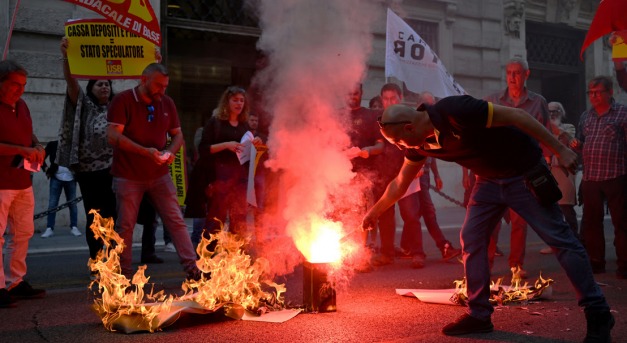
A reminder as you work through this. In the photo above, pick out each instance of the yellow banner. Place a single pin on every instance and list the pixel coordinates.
(619, 51)
(98, 49)
(179, 175)
(618, 40)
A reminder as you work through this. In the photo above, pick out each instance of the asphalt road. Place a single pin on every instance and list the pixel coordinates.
(368, 309)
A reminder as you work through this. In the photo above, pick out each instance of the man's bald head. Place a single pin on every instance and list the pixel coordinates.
(405, 127)
(398, 113)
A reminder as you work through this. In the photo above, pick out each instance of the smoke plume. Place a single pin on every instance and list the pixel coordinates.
(316, 53)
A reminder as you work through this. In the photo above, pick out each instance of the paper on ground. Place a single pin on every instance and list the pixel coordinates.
(272, 317)
(432, 296)
(443, 296)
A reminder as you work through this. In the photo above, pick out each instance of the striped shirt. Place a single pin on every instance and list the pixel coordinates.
(604, 139)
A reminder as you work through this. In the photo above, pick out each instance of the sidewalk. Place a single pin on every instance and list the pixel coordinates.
(450, 219)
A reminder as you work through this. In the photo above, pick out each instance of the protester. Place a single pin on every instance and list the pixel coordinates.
(18, 147)
(140, 119)
(517, 95)
(409, 206)
(200, 175)
(375, 103)
(83, 146)
(61, 179)
(221, 144)
(427, 209)
(602, 138)
(565, 181)
(366, 143)
(463, 129)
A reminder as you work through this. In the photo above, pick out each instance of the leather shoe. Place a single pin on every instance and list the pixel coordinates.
(599, 328)
(466, 324)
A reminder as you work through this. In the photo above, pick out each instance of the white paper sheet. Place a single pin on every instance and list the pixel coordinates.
(244, 154)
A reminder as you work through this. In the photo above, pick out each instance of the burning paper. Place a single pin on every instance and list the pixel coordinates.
(234, 284)
(499, 294)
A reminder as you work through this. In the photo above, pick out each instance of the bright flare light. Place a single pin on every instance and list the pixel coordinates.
(322, 243)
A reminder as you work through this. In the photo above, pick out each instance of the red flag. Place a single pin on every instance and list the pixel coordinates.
(611, 16)
(136, 16)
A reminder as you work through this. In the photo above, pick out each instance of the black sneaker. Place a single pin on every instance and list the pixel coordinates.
(23, 290)
(466, 324)
(6, 300)
(600, 325)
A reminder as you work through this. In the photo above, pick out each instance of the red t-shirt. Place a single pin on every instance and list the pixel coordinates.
(16, 129)
(127, 109)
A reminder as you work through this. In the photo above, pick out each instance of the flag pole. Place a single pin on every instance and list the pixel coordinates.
(6, 45)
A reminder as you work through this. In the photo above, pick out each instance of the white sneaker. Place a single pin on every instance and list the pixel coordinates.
(75, 231)
(169, 248)
(49, 233)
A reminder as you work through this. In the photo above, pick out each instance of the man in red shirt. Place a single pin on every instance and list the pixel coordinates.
(140, 119)
(18, 145)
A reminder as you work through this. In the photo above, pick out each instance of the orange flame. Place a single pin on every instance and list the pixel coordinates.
(234, 281)
(501, 295)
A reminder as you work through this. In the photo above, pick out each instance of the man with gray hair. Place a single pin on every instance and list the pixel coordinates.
(517, 95)
(140, 119)
(18, 147)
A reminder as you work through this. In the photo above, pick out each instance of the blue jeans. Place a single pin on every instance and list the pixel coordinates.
(69, 187)
(489, 200)
(162, 195)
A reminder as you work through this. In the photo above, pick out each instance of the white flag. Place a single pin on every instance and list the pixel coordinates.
(409, 59)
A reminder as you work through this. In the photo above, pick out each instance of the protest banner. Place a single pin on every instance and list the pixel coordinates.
(409, 59)
(178, 174)
(136, 16)
(98, 49)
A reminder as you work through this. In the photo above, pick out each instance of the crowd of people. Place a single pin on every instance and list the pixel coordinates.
(518, 153)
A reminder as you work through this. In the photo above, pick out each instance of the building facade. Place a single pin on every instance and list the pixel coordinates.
(208, 45)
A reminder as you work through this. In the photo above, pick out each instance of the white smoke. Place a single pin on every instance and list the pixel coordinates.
(316, 53)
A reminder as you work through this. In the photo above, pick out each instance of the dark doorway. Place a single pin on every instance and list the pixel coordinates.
(556, 70)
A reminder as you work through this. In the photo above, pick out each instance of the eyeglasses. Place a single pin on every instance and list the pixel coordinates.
(151, 113)
(555, 111)
(383, 124)
(596, 93)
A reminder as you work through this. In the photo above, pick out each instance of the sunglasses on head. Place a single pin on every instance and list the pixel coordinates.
(151, 113)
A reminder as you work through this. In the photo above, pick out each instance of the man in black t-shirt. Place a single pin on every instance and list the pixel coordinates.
(497, 144)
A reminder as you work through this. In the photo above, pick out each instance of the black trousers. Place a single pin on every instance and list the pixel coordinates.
(592, 233)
